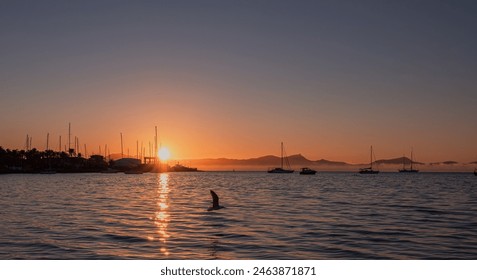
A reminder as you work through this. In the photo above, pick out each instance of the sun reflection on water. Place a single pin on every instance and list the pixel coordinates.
(161, 217)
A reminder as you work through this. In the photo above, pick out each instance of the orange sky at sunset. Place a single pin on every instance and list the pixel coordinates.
(235, 79)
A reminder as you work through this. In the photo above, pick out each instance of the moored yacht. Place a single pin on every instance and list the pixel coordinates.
(281, 169)
(404, 169)
(307, 171)
(369, 170)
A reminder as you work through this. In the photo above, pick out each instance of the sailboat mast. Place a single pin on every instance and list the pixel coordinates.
(371, 158)
(281, 156)
(69, 139)
(155, 144)
(121, 145)
(411, 159)
(142, 154)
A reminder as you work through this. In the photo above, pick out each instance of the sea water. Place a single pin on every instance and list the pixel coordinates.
(266, 216)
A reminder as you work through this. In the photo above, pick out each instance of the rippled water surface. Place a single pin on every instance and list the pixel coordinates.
(267, 216)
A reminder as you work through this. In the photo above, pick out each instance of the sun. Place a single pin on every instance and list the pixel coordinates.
(164, 153)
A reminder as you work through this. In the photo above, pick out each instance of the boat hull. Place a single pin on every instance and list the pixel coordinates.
(307, 171)
(280, 171)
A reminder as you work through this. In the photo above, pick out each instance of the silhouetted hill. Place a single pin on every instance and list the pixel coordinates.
(296, 161)
(328, 162)
(299, 160)
(399, 160)
(265, 160)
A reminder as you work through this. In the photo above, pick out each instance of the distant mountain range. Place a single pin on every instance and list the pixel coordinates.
(296, 161)
(269, 161)
(399, 160)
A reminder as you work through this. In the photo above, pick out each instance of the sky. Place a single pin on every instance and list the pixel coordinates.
(235, 78)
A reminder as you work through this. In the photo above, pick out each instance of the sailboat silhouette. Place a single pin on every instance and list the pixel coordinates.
(369, 170)
(281, 169)
(404, 170)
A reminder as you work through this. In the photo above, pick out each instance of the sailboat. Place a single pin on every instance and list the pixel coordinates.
(475, 172)
(369, 170)
(281, 169)
(404, 170)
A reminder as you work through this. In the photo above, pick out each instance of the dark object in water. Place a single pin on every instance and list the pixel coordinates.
(404, 169)
(281, 169)
(369, 170)
(307, 171)
(182, 168)
(215, 202)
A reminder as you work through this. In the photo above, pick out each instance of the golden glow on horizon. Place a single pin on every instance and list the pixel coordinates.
(164, 153)
(334, 145)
